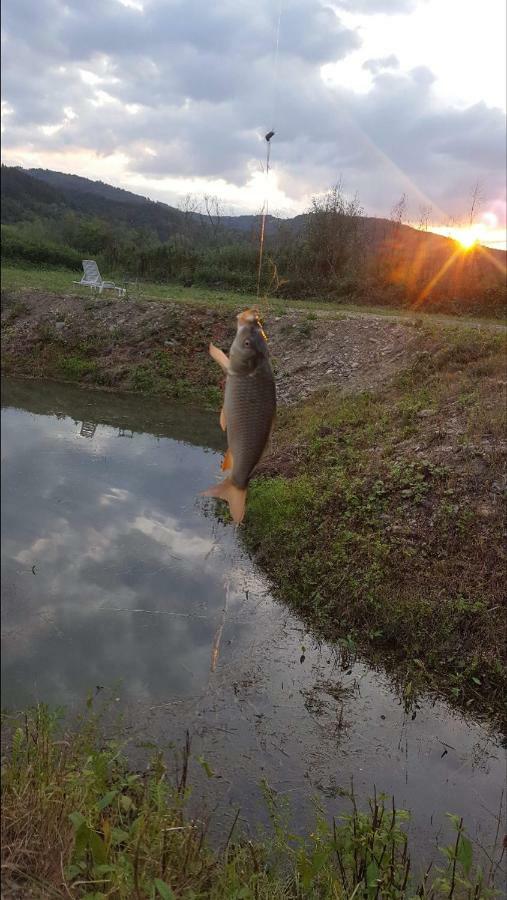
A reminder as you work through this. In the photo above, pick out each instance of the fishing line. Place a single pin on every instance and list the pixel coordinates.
(267, 138)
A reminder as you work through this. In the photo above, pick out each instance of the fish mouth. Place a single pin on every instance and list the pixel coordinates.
(251, 316)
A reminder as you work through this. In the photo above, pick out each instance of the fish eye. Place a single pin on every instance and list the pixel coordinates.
(246, 344)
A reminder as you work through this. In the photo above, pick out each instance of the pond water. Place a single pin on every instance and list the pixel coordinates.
(117, 576)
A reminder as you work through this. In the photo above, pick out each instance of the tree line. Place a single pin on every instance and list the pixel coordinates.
(333, 252)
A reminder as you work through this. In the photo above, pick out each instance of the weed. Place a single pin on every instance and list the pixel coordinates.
(211, 396)
(165, 364)
(304, 330)
(78, 822)
(142, 379)
(75, 367)
(18, 310)
(46, 333)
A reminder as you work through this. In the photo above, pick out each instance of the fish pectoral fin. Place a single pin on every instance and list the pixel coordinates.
(234, 496)
(227, 461)
(219, 357)
(223, 420)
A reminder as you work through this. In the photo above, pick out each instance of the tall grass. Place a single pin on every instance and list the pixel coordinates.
(78, 822)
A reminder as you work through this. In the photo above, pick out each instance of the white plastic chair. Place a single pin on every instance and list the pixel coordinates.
(93, 279)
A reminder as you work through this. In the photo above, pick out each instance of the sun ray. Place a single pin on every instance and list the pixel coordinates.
(436, 278)
(495, 262)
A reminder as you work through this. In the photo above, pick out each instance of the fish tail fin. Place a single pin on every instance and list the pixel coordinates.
(234, 496)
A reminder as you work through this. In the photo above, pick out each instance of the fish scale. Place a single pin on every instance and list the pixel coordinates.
(249, 409)
(249, 405)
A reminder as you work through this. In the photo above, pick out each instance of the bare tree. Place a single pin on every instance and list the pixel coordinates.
(424, 217)
(399, 210)
(189, 205)
(213, 214)
(332, 231)
(477, 199)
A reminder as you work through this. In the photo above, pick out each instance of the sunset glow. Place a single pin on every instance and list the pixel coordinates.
(468, 236)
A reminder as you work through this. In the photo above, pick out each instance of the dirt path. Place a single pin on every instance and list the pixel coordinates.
(352, 352)
(409, 318)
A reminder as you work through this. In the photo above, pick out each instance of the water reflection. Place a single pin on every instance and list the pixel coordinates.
(114, 575)
(103, 526)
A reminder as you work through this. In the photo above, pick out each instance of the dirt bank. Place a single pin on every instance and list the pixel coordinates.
(161, 347)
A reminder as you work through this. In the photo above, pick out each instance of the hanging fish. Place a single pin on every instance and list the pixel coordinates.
(249, 409)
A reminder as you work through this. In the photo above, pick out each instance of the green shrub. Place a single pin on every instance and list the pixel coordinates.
(74, 367)
(37, 252)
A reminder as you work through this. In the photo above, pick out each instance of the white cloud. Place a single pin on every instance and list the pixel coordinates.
(175, 97)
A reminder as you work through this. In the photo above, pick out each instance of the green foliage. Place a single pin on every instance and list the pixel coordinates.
(142, 379)
(18, 310)
(16, 247)
(75, 367)
(332, 235)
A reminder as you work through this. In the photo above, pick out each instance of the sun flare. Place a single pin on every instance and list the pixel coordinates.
(466, 237)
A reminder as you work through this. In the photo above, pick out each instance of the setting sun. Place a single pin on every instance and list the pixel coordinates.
(467, 237)
(486, 233)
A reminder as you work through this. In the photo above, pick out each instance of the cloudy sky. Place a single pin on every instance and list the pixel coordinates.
(169, 97)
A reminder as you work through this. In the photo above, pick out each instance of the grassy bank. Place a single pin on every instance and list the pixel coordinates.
(380, 518)
(78, 822)
(60, 281)
(18, 278)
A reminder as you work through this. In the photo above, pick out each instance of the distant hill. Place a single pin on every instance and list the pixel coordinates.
(23, 196)
(40, 192)
(27, 193)
(162, 217)
(78, 184)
